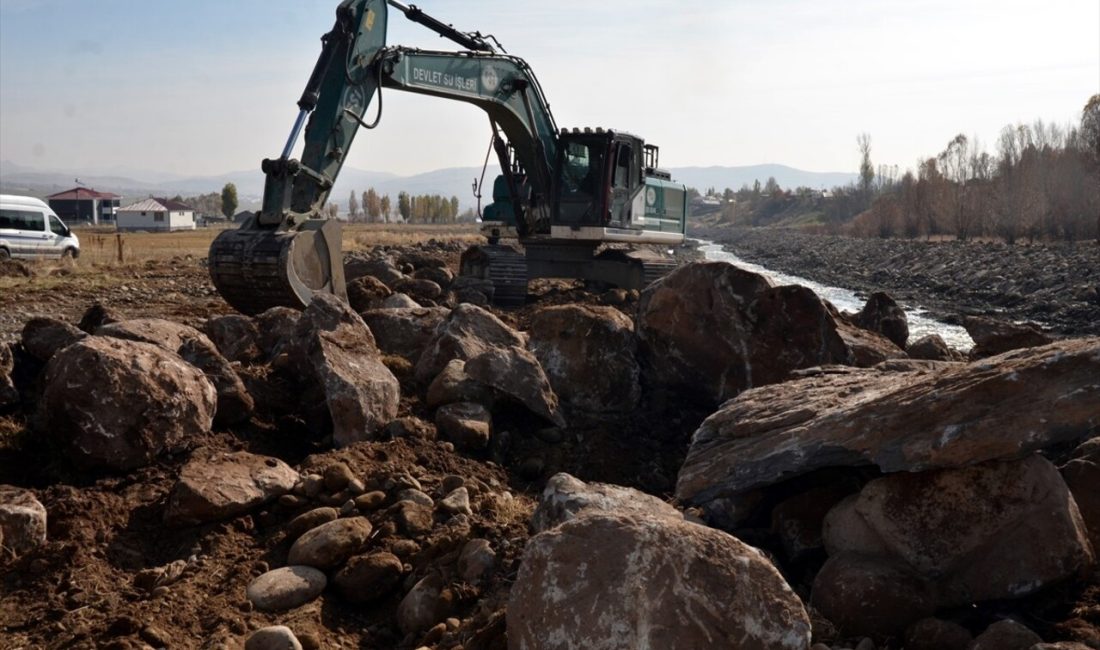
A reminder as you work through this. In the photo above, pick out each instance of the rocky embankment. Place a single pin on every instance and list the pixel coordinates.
(714, 462)
(1054, 285)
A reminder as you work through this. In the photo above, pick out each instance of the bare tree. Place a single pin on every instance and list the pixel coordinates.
(353, 207)
(866, 169)
(1090, 136)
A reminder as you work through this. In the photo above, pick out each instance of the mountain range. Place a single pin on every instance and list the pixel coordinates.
(452, 181)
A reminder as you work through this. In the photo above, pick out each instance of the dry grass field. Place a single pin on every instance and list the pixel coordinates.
(157, 274)
(100, 247)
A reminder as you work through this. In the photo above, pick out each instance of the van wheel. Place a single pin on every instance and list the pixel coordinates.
(4, 254)
(68, 253)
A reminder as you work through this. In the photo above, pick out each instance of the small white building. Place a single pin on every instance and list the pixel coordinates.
(156, 214)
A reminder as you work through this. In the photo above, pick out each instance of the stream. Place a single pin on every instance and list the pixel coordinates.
(846, 300)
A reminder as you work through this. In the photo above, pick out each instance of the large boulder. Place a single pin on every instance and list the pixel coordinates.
(588, 353)
(404, 332)
(97, 316)
(118, 404)
(883, 315)
(992, 336)
(945, 415)
(467, 332)
(22, 520)
(515, 373)
(712, 330)
(234, 402)
(624, 580)
(566, 497)
(220, 485)
(327, 546)
(361, 393)
(992, 531)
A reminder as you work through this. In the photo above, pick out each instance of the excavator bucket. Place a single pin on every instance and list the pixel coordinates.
(256, 269)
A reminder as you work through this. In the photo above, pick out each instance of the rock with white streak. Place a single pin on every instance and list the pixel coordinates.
(621, 581)
(588, 353)
(566, 497)
(235, 404)
(118, 404)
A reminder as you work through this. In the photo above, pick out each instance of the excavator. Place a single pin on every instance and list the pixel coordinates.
(588, 204)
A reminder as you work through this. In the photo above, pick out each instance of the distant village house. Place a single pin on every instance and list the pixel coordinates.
(85, 205)
(156, 214)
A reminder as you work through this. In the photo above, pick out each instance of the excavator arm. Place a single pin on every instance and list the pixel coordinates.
(289, 251)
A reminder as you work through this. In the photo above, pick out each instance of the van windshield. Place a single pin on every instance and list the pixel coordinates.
(57, 227)
(22, 220)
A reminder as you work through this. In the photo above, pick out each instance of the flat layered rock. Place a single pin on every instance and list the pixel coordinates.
(943, 416)
(223, 485)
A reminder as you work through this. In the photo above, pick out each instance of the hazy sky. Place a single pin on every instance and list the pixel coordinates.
(208, 86)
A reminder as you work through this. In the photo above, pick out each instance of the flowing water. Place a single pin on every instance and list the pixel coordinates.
(846, 300)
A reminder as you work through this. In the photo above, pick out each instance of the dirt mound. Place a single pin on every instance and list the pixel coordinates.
(14, 269)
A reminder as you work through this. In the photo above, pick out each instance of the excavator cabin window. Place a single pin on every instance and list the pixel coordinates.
(582, 181)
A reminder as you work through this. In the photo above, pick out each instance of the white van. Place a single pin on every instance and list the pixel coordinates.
(29, 228)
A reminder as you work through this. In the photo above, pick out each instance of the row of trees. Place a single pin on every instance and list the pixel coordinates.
(1043, 182)
(423, 208)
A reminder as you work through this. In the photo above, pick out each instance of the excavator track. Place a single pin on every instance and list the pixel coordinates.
(502, 265)
(653, 270)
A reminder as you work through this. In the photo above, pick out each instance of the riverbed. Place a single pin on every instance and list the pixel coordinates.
(920, 323)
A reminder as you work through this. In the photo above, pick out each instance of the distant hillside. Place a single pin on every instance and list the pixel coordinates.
(720, 178)
(452, 181)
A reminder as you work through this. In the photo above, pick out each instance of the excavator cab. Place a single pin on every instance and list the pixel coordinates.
(598, 174)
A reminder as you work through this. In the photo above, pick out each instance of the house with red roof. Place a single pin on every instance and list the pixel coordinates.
(156, 214)
(85, 205)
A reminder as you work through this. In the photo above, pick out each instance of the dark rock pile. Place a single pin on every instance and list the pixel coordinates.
(369, 474)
